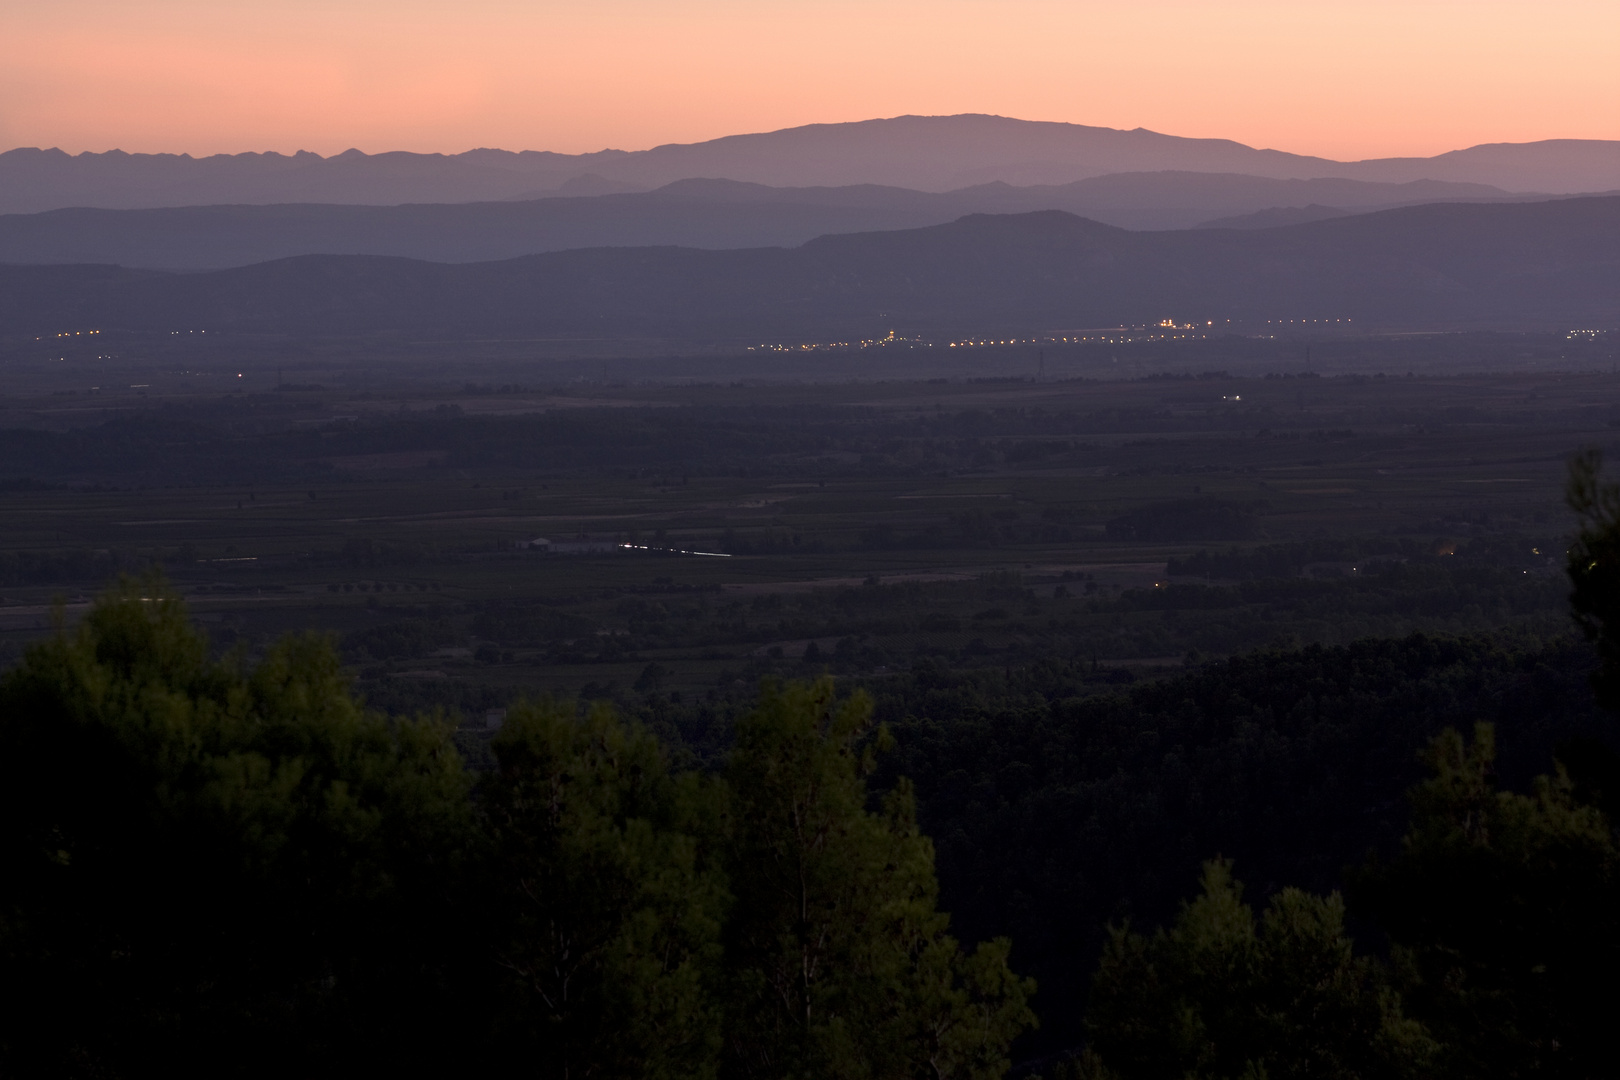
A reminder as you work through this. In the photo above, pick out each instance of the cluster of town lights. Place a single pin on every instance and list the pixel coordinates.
(1163, 330)
(891, 338)
(674, 551)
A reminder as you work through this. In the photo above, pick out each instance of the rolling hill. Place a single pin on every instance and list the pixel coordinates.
(1508, 266)
(687, 213)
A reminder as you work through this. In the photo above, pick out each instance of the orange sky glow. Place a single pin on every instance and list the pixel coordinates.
(1336, 78)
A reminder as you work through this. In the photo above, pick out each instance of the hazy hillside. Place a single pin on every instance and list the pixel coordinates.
(687, 213)
(1549, 264)
(1274, 216)
(927, 153)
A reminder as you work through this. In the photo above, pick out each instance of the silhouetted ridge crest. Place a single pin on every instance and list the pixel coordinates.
(928, 153)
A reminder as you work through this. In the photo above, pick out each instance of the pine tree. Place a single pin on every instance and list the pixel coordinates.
(839, 962)
(1505, 910)
(1221, 994)
(1593, 563)
(198, 858)
(608, 903)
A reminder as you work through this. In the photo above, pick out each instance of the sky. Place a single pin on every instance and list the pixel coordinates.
(1336, 78)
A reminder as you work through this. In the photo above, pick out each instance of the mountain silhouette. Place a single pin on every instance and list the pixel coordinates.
(1536, 265)
(925, 153)
(702, 213)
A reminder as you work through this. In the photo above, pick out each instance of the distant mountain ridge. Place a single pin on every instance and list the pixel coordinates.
(1537, 265)
(688, 213)
(1273, 217)
(925, 153)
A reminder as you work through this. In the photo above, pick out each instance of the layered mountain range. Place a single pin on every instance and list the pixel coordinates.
(1539, 265)
(687, 213)
(932, 225)
(923, 153)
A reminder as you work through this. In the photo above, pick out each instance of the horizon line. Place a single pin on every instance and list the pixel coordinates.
(784, 130)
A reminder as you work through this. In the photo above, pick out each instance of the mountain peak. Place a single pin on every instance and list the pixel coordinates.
(923, 153)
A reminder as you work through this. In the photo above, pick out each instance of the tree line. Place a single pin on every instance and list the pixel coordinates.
(232, 866)
(211, 865)
(1499, 917)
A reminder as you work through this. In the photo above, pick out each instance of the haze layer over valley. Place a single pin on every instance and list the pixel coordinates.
(687, 213)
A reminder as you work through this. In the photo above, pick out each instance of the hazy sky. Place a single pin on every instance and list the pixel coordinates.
(1339, 78)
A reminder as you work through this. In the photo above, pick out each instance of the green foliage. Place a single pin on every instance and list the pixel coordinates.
(208, 865)
(403, 638)
(610, 903)
(840, 963)
(526, 623)
(1594, 568)
(1219, 995)
(1055, 809)
(198, 854)
(1505, 910)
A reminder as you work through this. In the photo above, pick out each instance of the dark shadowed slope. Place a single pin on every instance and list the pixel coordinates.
(702, 213)
(1275, 216)
(927, 153)
(1550, 264)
